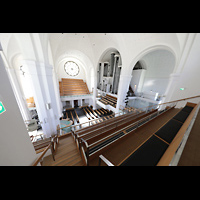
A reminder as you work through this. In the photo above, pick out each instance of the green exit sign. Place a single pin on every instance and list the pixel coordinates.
(182, 88)
(2, 108)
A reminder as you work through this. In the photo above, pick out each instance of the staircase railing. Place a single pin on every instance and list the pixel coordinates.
(41, 156)
(52, 146)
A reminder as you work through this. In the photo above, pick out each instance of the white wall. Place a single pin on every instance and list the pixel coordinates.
(160, 64)
(138, 80)
(22, 79)
(189, 77)
(62, 74)
(15, 145)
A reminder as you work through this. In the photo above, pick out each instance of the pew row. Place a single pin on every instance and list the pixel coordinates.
(72, 87)
(111, 121)
(160, 147)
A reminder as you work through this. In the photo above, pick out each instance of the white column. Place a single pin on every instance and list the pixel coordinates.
(95, 93)
(57, 96)
(115, 70)
(102, 70)
(81, 102)
(112, 63)
(19, 94)
(41, 81)
(124, 83)
(72, 103)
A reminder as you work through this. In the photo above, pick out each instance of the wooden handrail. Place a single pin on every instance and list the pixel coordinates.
(53, 144)
(198, 96)
(42, 155)
(181, 99)
(169, 153)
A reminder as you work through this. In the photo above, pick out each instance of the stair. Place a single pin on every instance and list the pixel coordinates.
(67, 154)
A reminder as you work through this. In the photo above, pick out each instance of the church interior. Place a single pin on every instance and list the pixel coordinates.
(99, 99)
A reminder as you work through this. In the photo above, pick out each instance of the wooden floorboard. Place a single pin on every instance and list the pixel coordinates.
(191, 152)
(67, 154)
(116, 154)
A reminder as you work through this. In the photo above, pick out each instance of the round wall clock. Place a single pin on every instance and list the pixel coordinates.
(71, 68)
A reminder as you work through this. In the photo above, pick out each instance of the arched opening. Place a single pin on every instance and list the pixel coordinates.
(108, 71)
(84, 63)
(25, 98)
(150, 76)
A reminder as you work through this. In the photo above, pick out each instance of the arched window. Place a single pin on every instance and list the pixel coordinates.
(71, 68)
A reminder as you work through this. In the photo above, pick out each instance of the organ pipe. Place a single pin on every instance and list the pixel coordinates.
(116, 63)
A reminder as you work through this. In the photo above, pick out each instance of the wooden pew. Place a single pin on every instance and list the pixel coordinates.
(86, 114)
(93, 117)
(94, 113)
(86, 129)
(104, 126)
(73, 87)
(77, 118)
(72, 116)
(100, 135)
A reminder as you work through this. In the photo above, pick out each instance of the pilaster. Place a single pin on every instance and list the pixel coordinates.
(174, 78)
(40, 76)
(19, 94)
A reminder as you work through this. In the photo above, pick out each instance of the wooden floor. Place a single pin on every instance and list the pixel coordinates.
(117, 154)
(67, 154)
(191, 153)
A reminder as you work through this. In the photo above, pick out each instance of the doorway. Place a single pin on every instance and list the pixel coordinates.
(75, 103)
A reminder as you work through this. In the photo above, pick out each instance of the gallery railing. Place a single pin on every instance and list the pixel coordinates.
(177, 103)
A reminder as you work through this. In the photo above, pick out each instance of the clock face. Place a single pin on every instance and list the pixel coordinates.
(71, 68)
